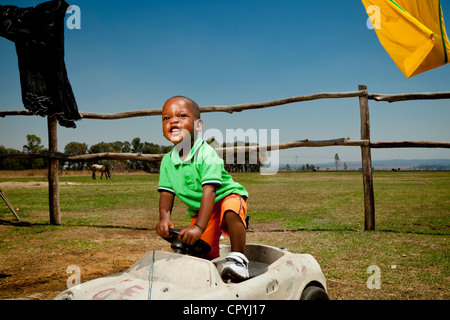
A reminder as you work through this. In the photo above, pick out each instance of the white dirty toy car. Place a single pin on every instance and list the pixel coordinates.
(275, 274)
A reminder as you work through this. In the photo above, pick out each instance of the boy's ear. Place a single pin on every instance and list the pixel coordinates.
(198, 125)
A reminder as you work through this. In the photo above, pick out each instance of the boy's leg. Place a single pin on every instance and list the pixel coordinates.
(236, 230)
(232, 220)
(234, 208)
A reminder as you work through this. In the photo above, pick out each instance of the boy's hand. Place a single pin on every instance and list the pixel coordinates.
(162, 228)
(190, 235)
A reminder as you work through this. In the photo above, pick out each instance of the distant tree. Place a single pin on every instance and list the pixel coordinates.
(137, 146)
(337, 160)
(34, 146)
(100, 148)
(345, 166)
(12, 164)
(126, 147)
(150, 148)
(116, 146)
(75, 149)
(308, 167)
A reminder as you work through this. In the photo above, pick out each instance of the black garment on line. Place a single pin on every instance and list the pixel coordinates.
(38, 33)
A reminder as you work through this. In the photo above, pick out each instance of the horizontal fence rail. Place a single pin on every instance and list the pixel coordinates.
(206, 109)
(259, 105)
(238, 149)
(410, 144)
(158, 157)
(409, 96)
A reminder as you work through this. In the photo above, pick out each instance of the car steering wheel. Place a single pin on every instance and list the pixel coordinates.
(198, 248)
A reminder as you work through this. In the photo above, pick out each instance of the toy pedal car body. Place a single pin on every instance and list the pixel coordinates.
(274, 274)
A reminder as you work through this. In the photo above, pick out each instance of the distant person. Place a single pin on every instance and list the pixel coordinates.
(194, 172)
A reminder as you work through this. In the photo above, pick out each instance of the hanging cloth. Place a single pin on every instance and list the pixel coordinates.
(412, 32)
(38, 33)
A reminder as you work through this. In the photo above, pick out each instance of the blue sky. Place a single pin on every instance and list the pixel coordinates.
(135, 55)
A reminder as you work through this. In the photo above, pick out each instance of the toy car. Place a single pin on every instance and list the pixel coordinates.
(275, 274)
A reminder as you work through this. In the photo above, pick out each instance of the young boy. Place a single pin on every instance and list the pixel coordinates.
(195, 173)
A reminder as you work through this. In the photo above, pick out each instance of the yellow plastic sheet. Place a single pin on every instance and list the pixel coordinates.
(412, 32)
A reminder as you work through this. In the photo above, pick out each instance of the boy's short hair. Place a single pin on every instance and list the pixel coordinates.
(195, 106)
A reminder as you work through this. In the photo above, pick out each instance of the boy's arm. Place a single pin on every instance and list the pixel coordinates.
(192, 234)
(165, 210)
(206, 206)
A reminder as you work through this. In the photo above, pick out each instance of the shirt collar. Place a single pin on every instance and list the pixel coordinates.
(175, 156)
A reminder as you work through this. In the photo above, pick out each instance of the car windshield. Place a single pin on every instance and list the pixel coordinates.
(173, 268)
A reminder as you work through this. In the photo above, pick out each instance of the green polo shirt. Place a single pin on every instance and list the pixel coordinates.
(186, 179)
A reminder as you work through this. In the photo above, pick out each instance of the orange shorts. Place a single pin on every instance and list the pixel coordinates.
(217, 225)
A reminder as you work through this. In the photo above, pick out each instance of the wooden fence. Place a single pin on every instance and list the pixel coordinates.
(364, 143)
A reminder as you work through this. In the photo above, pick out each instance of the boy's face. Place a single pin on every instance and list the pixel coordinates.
(179, 120)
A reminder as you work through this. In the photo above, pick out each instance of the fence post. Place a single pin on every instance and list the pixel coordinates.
(369, 201)
(53, 183)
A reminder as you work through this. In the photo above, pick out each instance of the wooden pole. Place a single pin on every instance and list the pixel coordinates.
(369, 201)
(9, 205)
(53, 183)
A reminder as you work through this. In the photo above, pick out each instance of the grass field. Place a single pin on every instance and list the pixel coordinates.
(108, 225)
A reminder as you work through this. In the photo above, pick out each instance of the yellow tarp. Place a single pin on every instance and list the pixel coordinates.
(412, 32)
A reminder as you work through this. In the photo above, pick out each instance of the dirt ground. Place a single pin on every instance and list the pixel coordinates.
(41, 274)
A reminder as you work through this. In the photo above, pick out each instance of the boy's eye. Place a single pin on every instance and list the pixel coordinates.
(166, 118)
(183, 115)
